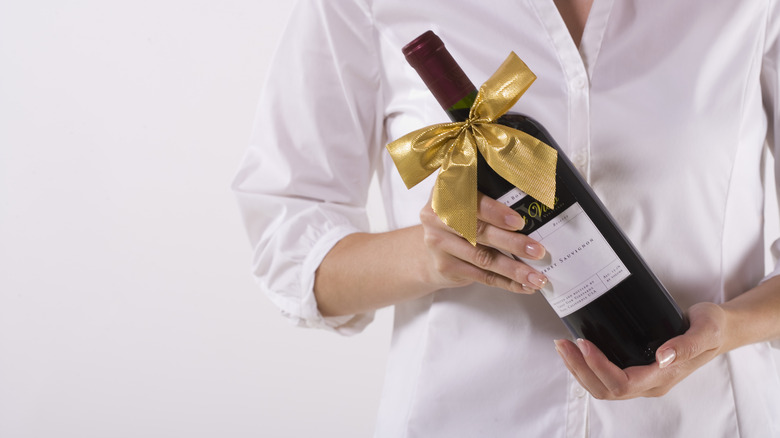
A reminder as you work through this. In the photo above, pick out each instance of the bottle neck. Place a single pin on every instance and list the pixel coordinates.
(459, 111)
(441, 74)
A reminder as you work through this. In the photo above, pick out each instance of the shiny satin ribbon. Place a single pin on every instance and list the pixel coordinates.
(524, 161)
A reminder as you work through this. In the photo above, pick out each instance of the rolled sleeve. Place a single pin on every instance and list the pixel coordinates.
(303, 183)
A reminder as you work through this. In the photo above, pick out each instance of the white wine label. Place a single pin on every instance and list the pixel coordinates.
(512, 196)
(579, 264)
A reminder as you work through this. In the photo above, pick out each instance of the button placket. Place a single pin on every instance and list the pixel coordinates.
(577, 416)
(579, 124)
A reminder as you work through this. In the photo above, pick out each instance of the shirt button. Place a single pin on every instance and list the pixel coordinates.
(579, 392)
(580, 83)
(579, 159)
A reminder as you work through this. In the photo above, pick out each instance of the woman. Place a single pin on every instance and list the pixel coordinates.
(667, 120)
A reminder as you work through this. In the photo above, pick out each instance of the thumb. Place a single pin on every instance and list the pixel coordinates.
(665, 355)
(704, 334)
(680, 349)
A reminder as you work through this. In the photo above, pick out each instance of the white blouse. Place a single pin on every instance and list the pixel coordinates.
(666, 109)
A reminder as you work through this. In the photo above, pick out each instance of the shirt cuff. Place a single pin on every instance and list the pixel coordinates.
(305, 313)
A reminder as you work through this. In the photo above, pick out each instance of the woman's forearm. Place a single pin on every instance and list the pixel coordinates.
(753, 316)
(364, 272)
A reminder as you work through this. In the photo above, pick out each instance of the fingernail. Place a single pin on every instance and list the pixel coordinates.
(665, 357)
(515, 221)
(583, 346)
(534, 250)
(537, 280)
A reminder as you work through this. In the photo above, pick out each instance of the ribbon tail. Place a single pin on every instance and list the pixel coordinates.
(419, 153)
(455, 197)
(523, 160)
(503, 89)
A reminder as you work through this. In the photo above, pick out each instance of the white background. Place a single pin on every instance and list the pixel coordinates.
(127, 308)
(126, 304)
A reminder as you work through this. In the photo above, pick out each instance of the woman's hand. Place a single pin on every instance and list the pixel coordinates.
(421, 259)
(455, 262)
(675, 359)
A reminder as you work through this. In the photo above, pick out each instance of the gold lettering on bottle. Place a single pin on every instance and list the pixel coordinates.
(536, 209)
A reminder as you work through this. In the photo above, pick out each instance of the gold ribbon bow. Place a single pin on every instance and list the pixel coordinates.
(524, 161)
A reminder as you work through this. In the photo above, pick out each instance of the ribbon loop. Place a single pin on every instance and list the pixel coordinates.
(524, 161)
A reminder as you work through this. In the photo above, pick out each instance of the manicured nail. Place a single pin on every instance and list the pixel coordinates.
(537, 280)
(534, 250)
(514, 221)
(583, 346)
(665, 357)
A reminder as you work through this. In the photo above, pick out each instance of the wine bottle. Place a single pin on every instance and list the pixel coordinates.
(599, 285)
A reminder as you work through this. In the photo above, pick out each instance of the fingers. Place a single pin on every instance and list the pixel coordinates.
(498, 214)
(486, 265)
(676, 359)
(608, 375)
(603, 379)
(497, 228)
(458, 262)
(457, 270)
(577, 364)
(510, 242)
